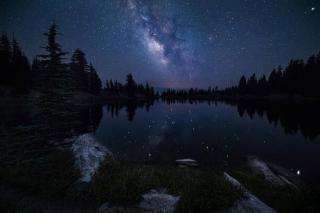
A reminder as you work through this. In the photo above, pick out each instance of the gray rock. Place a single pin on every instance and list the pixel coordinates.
(261, 167)
(250, 204)
(106, 208)
(292, 180)
(274, 174)
(89, 154)
(187, 162)
(158, 201)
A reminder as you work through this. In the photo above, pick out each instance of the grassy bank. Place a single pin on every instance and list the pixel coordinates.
(123, 184)
(118, 183)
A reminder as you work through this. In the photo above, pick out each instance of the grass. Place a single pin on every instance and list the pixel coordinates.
(10, 207)
(49, 177)
(118, 183)
(121, 183)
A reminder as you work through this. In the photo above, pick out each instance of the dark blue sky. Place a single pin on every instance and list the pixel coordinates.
(173, 43)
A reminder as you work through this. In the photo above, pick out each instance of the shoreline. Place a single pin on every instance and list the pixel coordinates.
(81, 98)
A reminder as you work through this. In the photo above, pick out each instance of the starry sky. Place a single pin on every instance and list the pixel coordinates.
(172, 43)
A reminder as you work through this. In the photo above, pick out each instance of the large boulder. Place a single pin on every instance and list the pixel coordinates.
(89, 154)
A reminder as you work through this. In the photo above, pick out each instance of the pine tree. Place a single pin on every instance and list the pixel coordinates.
(79, 67)
(262, 85)
(35, 74)
(107, 85)
(94, 81)
(131, 86)
(252, 84)
(20, 69)
(242, 84)
(56, 77)
(147, 90)
(111, 84)
(5, 61)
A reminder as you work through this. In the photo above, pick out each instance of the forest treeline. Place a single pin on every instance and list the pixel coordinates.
(130, 88)
(298, 78)
(49, 73)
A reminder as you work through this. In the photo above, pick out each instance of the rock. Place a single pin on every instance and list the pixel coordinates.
(249, 204)
(106, 208)
(274, 174)
(261, 167)
(158, 201)
(187, 162)
(89, 154)
(291, 179)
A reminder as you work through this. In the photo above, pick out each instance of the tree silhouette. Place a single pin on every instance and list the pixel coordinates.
(242, 84)
(130, 86)
(79, 68)
(36, 74)
(262, 85)
(5, 61)
(20, 70)
(94, 82)
(56, 78)
(48, 73)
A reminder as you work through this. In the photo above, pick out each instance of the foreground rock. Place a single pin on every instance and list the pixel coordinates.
(154, 201)
(250, 204)
(158, 201)
(187, 162)
(292, 180)
(89, 154)
(274, 174)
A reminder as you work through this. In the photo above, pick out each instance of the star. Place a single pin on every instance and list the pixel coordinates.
(313, 8)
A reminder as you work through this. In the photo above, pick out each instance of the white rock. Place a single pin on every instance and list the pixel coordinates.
(89, 154)
(250, 204)
(289, 178)
(187, 162)
(158, 201)
(261, 167)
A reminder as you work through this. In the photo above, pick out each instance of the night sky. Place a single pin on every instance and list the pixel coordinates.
(172, 43)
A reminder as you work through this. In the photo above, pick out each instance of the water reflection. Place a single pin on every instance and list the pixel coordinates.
(130, 107)
(293, 118)
(216, 134)
(27, 132)
(212, 132)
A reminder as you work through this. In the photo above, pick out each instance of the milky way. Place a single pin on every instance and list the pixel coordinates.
(172, 43)
(158, 31)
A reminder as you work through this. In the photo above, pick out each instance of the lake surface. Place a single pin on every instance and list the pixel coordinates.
(217, 135)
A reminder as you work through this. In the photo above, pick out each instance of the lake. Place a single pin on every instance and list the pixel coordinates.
(216, 134)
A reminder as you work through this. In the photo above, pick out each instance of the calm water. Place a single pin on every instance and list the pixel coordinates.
(217, 135)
